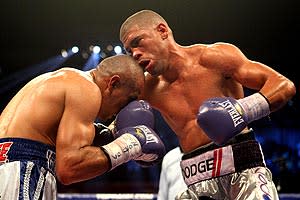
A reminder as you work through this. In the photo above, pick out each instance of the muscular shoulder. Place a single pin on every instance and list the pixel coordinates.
(71, 73)
(220, 55)
(81, 93)
(77, 83)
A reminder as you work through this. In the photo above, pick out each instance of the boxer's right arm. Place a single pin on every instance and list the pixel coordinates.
(76, 159)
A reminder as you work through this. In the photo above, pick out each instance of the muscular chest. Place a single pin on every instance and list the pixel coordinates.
(180, 100)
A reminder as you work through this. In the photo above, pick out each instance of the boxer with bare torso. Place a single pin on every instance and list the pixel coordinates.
(48, 128)
(198, 89)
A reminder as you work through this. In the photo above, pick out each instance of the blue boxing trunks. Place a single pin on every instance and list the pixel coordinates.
(27, 170)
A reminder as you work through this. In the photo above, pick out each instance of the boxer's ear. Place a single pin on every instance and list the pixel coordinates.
(114, 82)
(163, 30)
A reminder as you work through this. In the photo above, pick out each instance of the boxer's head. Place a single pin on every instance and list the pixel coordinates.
(147, 37)
(144, 19)
(120, 80)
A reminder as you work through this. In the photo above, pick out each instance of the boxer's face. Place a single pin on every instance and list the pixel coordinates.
(148, 48)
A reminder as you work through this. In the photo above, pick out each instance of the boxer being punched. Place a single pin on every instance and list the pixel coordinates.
(198, 89)
(47, 129)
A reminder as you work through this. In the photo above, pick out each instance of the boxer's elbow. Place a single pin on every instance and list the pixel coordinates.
(291, 88)
(65, 175)
(286, 91)
(66, 170)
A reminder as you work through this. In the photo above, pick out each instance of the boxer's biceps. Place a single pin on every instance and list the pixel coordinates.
(73, 135)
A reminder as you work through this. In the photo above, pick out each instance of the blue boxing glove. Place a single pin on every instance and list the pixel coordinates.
(139, 143)
(135, 113)
(223, 117)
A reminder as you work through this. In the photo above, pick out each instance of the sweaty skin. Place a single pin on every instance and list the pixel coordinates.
(59, 108)
(180, 78)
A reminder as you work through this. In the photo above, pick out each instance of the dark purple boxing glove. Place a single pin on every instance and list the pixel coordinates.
(135, 113)
(139, 143)
(223, 117)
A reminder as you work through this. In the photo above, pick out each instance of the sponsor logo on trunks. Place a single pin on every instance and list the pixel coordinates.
(233, 112)
(199, 167)
(4, 149)
(208, 167)
(211, 164)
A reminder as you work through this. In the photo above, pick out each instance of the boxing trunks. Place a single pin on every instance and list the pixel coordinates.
(236, 170)
(26, 170)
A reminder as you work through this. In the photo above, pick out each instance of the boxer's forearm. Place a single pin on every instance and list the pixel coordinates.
(81, 165)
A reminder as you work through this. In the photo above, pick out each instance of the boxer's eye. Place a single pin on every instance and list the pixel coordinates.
(135, 42)
(128, 50)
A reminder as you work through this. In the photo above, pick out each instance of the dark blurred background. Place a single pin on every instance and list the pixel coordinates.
(37, 36)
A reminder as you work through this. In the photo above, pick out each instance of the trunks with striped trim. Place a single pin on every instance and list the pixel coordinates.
(211, 161)
(27, 169)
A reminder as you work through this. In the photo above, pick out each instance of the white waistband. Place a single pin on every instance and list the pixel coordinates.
(208, 165)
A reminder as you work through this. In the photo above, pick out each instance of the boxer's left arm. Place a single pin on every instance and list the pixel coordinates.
(231, 115)
(273, 92)
(233, 64)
